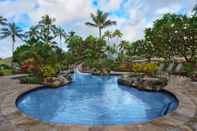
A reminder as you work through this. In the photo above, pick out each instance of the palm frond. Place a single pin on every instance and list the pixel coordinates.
(91, 24)
(108, 23)
(3, 21)
(4, 36)
(94, 18)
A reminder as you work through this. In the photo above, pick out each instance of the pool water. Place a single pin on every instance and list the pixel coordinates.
(95, 100)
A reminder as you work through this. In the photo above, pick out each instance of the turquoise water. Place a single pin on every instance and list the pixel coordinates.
(95, 100)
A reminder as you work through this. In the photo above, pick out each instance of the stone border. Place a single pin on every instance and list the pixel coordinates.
(183, 119)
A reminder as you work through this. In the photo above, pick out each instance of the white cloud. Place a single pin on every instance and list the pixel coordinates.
(62, 10)
(110, 5)
(72, 14)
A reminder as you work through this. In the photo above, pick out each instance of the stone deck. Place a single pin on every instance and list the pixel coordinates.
(183, 119)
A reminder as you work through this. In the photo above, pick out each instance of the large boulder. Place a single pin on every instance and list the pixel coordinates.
(144, 83)
(55, 82)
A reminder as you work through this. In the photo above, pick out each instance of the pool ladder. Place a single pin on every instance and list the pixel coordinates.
(166, 109)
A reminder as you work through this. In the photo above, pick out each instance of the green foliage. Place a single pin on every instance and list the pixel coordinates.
(189, 68)
(6, 72)
(4, 66)
(101, 21)
(40, 55)
(30, 80)
(75, 47)
(145, 68)
(44, 32)
(48, 71)
(173, 35)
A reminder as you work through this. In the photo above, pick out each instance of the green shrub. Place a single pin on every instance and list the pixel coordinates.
(4, 66)
(5, 72)
(145, 68)
(188, 68)
(48, 71)
(30, 80)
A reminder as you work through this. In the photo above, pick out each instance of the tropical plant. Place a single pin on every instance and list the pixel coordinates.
(61, 34)
(75, 47)
(117, 34)
(108, 36)
(35, 56)
(173, 35)
(123, 46)
(145, 68)
(100, 21)
(12, 31)
(33, 35)
(47, 30)
(48, 71)
(195, 10)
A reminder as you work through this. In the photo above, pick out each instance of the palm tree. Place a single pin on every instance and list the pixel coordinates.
(195, 10)
(61, 34)
(47, 29)
(108, 34)
(117, 33)
(32, 36)
(3, 21)
(100, 21)
(123, 46)
(12, 31)
(71, 33)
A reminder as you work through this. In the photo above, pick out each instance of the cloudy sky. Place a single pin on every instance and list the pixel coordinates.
(132, 16)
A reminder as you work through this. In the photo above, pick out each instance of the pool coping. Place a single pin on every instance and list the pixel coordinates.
(184, 118)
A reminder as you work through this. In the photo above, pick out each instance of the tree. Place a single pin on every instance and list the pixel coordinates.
(173, 35)
(195, 10)
(32, 36)
(47, 29)
(75, 47)
(12, 31)
(61, 34)
(41, 55)
(122, 50)
(118, 34)
(100, 21)
(143, 48)
(108, 35)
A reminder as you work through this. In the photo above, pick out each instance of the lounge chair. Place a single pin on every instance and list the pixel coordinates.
(179, 69)
(161, 69)
(170, 68)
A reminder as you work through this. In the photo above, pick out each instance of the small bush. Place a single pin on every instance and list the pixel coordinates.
(137, 68)
(30, 80)
(48, 71)
(188, 68)
(6, 72)
(145, 68)
(4, 66)
(150, 68)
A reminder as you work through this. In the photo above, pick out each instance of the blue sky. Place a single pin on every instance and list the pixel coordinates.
(132, 16)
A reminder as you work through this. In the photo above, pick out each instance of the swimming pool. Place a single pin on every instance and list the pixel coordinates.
(95, 100)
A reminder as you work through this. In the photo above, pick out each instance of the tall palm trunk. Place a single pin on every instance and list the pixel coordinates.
(100, 33)
(60, 41)
(13, 46)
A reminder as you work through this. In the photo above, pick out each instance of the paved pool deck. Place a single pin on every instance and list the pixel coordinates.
(183, 119)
